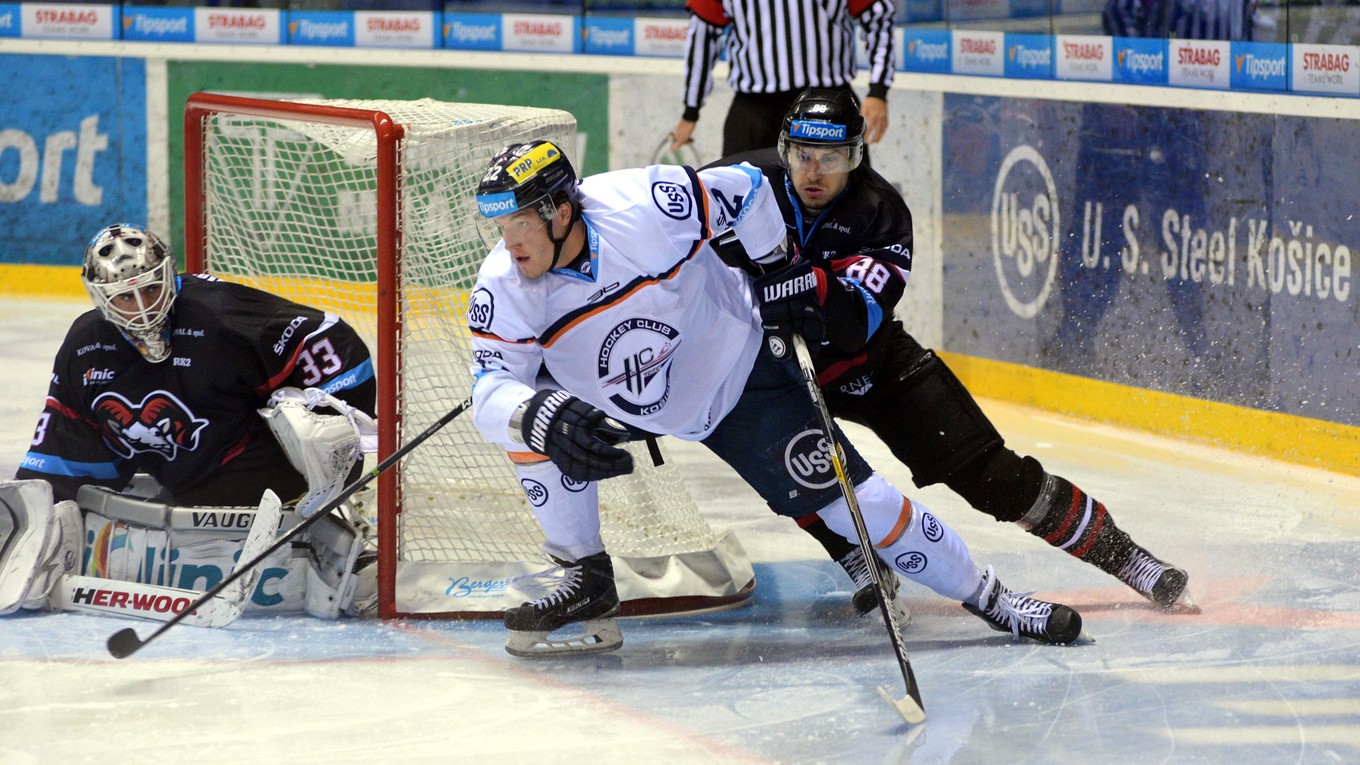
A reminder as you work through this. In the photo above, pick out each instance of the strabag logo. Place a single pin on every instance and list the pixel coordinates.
(634, 365)
(1025, 230)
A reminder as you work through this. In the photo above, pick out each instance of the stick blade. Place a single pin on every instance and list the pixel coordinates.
(124, 643)
(908, 707)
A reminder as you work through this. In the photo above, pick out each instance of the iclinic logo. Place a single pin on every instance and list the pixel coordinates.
(1025, 230)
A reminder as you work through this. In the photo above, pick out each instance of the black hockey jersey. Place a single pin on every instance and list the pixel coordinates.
(190, 418)
(864, 237)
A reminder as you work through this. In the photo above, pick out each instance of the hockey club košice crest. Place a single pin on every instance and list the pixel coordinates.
(161, 424)
(634, 365)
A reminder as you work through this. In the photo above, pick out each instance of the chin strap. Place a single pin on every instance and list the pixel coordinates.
(557, 243)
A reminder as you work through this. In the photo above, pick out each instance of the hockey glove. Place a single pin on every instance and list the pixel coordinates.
(791, 301)
(576, 436)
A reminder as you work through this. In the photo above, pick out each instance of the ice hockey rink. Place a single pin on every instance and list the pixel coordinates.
(1269, 672)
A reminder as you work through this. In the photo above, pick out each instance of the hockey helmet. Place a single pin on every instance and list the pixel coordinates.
(825, 118)
(130, 274)
(523, 176)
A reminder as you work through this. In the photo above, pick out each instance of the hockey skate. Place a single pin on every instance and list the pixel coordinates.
(1163, 584)
(585, 595)
(864, 600)
(1023, 616)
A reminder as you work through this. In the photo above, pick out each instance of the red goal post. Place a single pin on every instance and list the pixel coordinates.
(364, 209)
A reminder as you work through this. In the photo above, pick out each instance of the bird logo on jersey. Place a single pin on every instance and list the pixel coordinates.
(161, 424)
(634, 364)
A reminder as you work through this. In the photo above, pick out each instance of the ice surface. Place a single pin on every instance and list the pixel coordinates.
(1268, 673)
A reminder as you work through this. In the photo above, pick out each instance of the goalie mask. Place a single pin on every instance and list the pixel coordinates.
(823, 132)
(526, 176)
(130, 275)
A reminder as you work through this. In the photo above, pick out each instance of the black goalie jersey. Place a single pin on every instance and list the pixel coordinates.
(190, 421)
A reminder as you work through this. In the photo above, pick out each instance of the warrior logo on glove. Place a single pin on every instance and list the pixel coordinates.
(787, 288)
(791, 302)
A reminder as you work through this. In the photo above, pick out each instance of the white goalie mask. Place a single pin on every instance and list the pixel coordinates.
(130, 275)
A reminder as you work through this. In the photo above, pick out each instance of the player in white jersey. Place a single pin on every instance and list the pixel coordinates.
(601, 313)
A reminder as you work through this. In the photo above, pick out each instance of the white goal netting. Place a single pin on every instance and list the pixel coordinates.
(290, 202)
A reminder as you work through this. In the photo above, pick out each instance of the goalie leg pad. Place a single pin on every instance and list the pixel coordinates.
(331, 579)
(321, 447)
(39, 542)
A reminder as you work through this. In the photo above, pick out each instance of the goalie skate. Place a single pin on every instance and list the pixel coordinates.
(586, 596)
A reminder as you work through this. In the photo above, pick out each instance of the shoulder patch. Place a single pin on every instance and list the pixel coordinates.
(673, 199)
(481, 309)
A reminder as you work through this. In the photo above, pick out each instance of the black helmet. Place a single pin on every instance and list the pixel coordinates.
(525, 176)
(824, 117)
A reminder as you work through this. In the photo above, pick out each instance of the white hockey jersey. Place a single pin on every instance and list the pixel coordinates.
(654, 329)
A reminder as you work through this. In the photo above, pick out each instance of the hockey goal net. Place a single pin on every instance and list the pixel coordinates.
(365, 209)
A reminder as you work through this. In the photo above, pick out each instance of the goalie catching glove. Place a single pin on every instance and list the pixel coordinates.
(576, 436)
(322, 447)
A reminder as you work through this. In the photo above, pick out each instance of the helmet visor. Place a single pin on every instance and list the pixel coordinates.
(819, 158)
(497, 218)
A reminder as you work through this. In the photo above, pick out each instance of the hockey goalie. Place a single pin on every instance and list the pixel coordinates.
(177, 411)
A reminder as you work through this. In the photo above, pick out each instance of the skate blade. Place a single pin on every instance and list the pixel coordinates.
(1184, 605)
(596, 636)
(901, 615)
(1082, 639)
(905, 706)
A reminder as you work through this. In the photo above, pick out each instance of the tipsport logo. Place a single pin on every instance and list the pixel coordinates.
(817, 131)
(496, 205)
(1025, 231)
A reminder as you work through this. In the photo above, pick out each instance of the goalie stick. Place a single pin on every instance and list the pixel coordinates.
(148, 601)
(125, 642)
(909, 706)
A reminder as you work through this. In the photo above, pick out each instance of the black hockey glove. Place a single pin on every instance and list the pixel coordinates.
(576, 436)
(791, 301)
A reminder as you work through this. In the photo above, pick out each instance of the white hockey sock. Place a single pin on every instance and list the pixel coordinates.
(568, 511)
(910, 539)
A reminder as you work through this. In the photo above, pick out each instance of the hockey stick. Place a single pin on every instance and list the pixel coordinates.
(149, 601)
(125, 642)
(909, 706)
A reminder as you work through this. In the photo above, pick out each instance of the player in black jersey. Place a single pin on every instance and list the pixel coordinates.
(215, 390)
(856, 231)
(165, 376)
